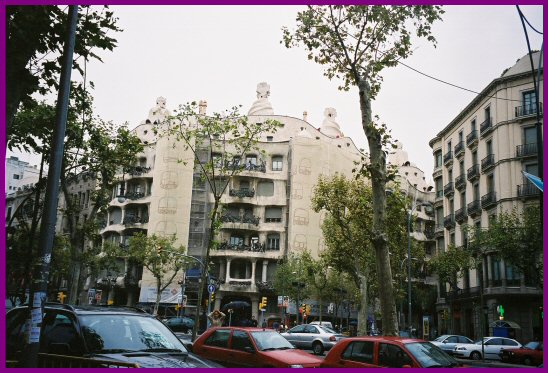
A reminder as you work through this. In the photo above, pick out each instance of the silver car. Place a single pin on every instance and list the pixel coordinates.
(448, 342)
(312, 337)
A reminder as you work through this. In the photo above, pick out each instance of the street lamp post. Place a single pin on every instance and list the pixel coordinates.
(409, 216)
(401, 285)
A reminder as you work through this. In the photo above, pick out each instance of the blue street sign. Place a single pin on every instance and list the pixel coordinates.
(210, 289)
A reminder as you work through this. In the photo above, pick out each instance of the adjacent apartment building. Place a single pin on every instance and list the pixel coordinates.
(479, 159)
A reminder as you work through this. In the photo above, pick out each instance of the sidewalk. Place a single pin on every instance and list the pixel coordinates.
(491, 364)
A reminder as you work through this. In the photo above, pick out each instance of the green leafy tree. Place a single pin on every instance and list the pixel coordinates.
(160, 256)
(219, 144)
(349, 233)
(355, 43)
(35, 37)
(290, 278)
(451, 264)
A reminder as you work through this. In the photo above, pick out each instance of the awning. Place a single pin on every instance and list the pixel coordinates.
(504, 324)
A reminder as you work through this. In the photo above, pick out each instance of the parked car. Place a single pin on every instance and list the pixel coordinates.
(327, 324)
(491, 347)
(251, 347)
(530, 354)
(448, 342)
(313, 337)
(117, 334)
(180, 324)
(392, 352)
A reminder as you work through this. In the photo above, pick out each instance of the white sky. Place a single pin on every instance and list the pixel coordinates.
(220, 53)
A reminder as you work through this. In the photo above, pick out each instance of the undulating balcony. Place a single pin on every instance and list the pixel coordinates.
(473, 173)
(486, 127)
(448, 189)
(137, 171)
(472, 139)
(133, 220)
(527, 110)
(460, 215)
(488, 200)
(241, 193)
(460, 182)
(238, 221)
(488, 163)
(448, 158)
(526, 150)
(528, 190)
(459, 149)
(438, 230)
(474, 208)
(449, 221)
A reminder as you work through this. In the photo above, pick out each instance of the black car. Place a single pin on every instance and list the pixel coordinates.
(180, 324)
(107, 333)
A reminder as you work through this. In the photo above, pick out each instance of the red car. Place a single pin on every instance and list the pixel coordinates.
(251, 347)
(392, 352)
(530, 354)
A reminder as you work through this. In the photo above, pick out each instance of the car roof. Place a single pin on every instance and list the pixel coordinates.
(380, 338)
(248, 328)
(95, 309)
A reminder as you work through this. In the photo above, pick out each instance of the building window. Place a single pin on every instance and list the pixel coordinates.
(473, 125)
(529, 102)
(495, 271)
(273, 214)
(461, 137)
(273, 242)
(439, 159)
(16, 177)
(265, 188)
(489, 147)
(269, 138)
(277, 163)
(449, 148)
(513, 276)
(251, 159)
(236, 240)
(217, 160)
(530, 135)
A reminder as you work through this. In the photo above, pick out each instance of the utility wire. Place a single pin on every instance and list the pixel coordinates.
(527, 21)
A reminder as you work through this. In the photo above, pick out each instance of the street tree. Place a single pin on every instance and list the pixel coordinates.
(355, 43)
(290, 279)
(349, 233)
(160, 256)
(219, 144)
(451, 264)
(35, 38)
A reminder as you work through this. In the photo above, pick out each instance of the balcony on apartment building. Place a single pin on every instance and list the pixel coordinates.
(459, 149)
(246, 221)
(460, 215)
(448, 158)
(439, 197)
(526, 150)
(473, 173)
(138, 171)
(488, 200)
(438, 230)
(474, 208)
(449, 221)
(257, 247)
(488, 163)
(241, 193)
(448, 189)
(528, 190)
(486, 127)
(527, 110)
(472, 139)
(134, 220)
(460, 182)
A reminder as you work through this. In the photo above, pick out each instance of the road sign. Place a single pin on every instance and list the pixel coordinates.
(210, 289)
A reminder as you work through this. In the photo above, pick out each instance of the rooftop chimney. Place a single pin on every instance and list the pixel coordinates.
(305, 116)
(202, 107)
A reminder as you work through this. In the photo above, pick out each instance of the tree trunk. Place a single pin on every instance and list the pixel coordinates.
(320, 308)
(205, 270)
(377, 159)
(362, 314)
(158, 296)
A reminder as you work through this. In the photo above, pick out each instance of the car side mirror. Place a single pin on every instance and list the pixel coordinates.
(249, 349)
(445, 341)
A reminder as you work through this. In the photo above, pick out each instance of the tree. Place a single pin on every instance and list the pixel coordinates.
(517, 238)
(34, 43)
(93, 149)
(355, 43)
(290, 279)
(451, 264)
(160, 257)
(349, 233)
(219, 145)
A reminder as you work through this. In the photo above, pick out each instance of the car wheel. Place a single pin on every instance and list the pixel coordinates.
(317, 347)
(527, 360)
(475, 355)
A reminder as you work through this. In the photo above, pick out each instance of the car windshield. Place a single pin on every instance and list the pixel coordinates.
(430, 356)
(531, 345)
(110, 333)
(478, 342)
(270, 341)
(440, 338)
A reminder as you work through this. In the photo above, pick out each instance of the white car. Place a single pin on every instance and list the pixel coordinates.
(491, 347)
(448, 342)
(323, 323)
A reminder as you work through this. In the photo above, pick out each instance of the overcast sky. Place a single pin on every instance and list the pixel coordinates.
(220, 53)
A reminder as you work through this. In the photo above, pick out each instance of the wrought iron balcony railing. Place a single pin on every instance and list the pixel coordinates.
(528, 109)
(485, 127)
(459, 149)
(474, 208)
(449, 221)
(473, 173)
(448, 158)
(488, 162)
(526, 150)
(488, 200)
(241, 193)
(472, 138)
(460, 182)
(448, 189)
(528, 190)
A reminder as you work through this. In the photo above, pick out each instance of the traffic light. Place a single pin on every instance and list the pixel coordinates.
(177, 307)
(264, 302)
(212, 297)
(61, 297)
